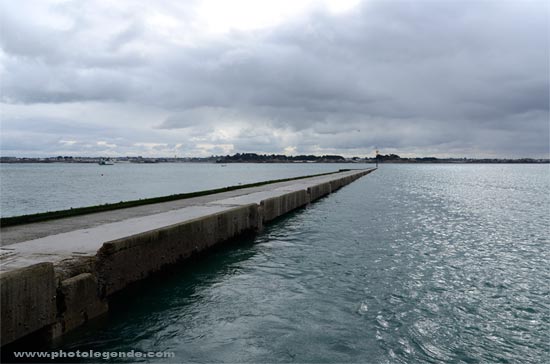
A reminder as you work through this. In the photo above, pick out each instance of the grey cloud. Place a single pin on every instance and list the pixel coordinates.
(402, 76)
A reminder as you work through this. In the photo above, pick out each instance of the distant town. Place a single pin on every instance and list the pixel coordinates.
(265, 158)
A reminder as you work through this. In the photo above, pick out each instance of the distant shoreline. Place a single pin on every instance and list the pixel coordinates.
(76, 160)
(272, 158)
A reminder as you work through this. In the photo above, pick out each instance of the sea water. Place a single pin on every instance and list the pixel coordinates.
(409, 264)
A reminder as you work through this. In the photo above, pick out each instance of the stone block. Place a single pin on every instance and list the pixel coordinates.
(28, 301)
(78, 301)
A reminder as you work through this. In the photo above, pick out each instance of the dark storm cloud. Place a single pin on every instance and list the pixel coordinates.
(440, 77)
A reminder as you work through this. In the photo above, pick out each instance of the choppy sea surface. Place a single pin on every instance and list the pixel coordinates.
(409, 264)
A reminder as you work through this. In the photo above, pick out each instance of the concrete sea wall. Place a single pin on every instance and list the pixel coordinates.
(127, 260)
(53, 298)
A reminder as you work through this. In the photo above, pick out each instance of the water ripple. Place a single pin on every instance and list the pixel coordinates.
(412, 264)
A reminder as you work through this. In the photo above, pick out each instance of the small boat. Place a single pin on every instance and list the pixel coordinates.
(105, 162)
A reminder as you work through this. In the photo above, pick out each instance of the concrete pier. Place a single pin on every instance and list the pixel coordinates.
(56, 275)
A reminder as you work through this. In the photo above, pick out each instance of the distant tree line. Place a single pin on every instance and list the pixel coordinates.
(395, 157)
(277, 158)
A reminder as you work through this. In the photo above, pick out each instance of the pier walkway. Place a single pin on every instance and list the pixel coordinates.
(82, 260)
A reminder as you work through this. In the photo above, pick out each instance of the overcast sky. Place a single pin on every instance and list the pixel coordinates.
(196, 78)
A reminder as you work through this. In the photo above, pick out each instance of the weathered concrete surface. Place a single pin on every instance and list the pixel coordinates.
(77, 302)
(86, 264)
(274, 207)
(86, 242)
(318, 191)
(17, 234)
(133, 258)
(27, 301)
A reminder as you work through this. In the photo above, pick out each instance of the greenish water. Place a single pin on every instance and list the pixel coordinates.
(410, 264)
